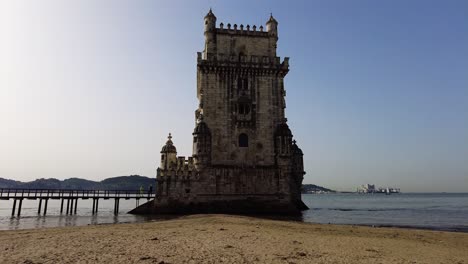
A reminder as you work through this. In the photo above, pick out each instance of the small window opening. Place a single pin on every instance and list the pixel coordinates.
(243, 140)
(244, 109)
(242, 84)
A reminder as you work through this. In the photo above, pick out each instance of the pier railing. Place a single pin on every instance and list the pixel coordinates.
(71, 197)
(11, 193)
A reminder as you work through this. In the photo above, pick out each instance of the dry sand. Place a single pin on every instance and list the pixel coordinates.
(231, 239)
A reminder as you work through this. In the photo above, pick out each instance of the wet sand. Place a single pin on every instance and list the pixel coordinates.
(231, 239)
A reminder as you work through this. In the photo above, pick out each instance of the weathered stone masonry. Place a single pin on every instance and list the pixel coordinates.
(244, 157)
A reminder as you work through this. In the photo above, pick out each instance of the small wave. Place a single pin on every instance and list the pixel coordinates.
(455, 228)
(363, 209)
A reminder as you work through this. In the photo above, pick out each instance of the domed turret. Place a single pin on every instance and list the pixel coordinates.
(272, 26)
(297, 165)
(169, 147)
(210, 35)
(283, 140)
(296, 150)
(210, 21)
(168, 154)
(201, 128)
(283, 130)
(201, 144)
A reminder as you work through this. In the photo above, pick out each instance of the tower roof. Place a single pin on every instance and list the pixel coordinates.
(272, 19)
(283, 130)
(210, 15)
(169, 147)
(295, 149)
(201, 128)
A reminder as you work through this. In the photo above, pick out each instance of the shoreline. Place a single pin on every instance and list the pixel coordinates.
(453, 229)
(231, 239)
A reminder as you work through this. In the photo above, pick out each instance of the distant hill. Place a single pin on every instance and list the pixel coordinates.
(132, 182)
(312, 188)
(4, 183)
(127, 182)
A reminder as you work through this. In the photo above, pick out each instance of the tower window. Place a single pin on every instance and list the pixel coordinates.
(242, 84)
(243, 140)
(244, 109)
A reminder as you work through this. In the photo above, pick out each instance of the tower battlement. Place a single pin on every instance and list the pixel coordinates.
(241, 30)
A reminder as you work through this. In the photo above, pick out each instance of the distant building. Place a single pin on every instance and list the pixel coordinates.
(244, 157)
(367, 188)
(370, 188)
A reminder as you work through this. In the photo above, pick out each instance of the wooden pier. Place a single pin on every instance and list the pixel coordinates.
(70, 197)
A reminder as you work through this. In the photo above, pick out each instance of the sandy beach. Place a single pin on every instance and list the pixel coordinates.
(231, 239)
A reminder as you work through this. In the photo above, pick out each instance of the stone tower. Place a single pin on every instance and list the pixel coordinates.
(244, 157)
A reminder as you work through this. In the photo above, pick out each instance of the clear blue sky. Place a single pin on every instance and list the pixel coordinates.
(377, 90)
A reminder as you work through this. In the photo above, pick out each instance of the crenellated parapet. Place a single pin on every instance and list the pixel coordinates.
(271, 28)
(241, 30)
(184, 164)
(181, 165)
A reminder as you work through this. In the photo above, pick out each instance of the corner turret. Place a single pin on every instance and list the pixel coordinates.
(210, 21)
(168, 154)
(283, 140)
(201, 144)
(272, 26)
(210, 34)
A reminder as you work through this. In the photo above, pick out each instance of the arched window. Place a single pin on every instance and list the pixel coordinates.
(243, 140)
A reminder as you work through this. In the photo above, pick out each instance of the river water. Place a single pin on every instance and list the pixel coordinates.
(439, 211)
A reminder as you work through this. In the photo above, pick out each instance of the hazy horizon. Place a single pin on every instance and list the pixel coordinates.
(377, 91)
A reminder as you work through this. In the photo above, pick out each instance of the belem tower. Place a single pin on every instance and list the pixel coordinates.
(244, 157)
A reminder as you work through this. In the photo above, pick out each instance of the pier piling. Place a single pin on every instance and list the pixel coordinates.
(40, 206)
(45, 205)
(20, 205)
(76, 204)
(116, 206)
(61, 206)
(14, 208)
(68, 205)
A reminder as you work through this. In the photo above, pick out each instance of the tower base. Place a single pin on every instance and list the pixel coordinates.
(221, 205)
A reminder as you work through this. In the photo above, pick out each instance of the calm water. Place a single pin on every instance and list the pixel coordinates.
(432, 211)
(438, 211)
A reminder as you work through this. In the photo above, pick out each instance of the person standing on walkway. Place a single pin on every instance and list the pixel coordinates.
(141, 190)
(150, 191)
